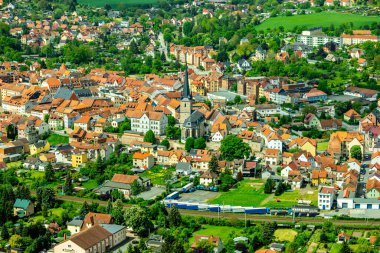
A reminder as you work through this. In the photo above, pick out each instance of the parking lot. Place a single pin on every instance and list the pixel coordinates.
(198, 196)
(152, 193)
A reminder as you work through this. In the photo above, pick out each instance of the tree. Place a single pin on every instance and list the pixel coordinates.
(173, 133)
(16, 241)
(238, 100)
(49, 173)
(22, 192)
(46, 197)
(269, 185)
(200, 143)
(345, 248)
(189, 144)
(309, 109)
(187, 28)
(109, 207)
(85, 209)
(174, 217)
(138, 219)
(213, 164)
(232, 147)
(356, 152)
(4, 233)
(136, 188)
(204, 246)
(11, 132)
(118, 212)
(150, 137)
(165, 143)
(68, 185)
(263, 100)
(268, 232)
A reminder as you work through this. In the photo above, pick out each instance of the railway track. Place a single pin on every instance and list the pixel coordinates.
(241, 216)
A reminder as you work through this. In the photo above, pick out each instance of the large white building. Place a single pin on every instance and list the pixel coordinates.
(326, 197)
(316, 37)
(145, 121)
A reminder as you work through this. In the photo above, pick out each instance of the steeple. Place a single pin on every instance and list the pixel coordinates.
(186, 87)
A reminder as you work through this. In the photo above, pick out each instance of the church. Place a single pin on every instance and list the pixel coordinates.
(192, 122)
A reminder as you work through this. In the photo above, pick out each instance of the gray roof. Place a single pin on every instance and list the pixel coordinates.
(112, 228)
(183, 166)
(117, 185)
(77, 223)
(195, 119)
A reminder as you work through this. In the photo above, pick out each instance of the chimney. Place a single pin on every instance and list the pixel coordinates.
(64, 237)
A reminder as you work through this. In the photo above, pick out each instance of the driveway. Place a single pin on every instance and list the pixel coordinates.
(152, 193)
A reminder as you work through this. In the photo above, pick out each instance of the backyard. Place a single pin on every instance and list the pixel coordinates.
(289, 199)
(102, 3)
(322, 19)
(322, 146)
(158, 175)
(55, 139)
(282, 235)
(221, 231)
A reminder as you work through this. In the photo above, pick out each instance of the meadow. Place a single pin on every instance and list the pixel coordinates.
(322, 19)
(101, 3)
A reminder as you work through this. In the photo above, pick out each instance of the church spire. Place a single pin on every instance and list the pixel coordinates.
(186, 87)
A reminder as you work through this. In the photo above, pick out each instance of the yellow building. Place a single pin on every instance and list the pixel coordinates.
(78, 159)
(305, 144)
(39, 147)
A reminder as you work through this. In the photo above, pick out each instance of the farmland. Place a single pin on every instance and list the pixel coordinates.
(323, 19)
(101, 3)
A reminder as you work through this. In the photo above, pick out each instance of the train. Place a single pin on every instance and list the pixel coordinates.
(170, 201)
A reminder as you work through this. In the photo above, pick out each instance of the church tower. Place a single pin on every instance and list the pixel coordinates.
(186, 100)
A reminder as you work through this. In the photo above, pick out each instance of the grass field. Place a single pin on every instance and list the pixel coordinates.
(322, 146)
(248, 193)
(289, 199)
(90, 184)
(157, 175)
(322, 19)
(282, 235)
(221, 231)
(55, 139)
(101, 3)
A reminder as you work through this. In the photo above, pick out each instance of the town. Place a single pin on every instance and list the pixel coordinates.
(189, 126)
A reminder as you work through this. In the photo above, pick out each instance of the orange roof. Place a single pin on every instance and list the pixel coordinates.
(126, 179)
(141, 156)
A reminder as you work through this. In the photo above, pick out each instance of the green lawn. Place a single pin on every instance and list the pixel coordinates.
(289, 199)
(14, 164)
(322, 146)
(55, 139)
(285, 235)
(248, 193)
(101, 3)
(90, 184)
(322, 19)
(157, 175)
(221, 231)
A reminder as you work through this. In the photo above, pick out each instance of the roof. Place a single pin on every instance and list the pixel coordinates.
(265, 251)
(126, 179)
(141, 156)
(97, 218)
(112, 228)
(90, 237)
(22, 203)
(327, 190)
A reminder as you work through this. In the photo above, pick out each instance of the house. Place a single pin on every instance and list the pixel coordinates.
(351, 116)
(83, 122)
(278, 247)
(208, 178)
(326, 197)
(183, 168)
(244, 65)
(272, 156)
(353, 164)
(39, 147)
(373, 188)
(330, 124)
(318, 177)
(343, 237)
(305, 144)
(74, 226)
(368, 94)
(23, 208)
(341, 142)
(214, 240)
(78, 158)
(285, 172)
(92, 219)
(143, 160)
(99, 238)
(315, 95)
(312, 121)
(144, 121)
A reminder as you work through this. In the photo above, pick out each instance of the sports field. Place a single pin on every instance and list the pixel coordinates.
(322, 19)
(101, 3)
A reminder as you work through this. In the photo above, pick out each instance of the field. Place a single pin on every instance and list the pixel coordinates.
(157, 175)
(55, 139)
(282, 235)
(322, 146)
(101, 3)
(221, 231)
(322, 19)
(289, 199)
(248, 193)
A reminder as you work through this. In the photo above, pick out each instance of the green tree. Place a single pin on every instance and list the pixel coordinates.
(200, 143)
(49, 173)
(269, 185)
(150, 137)
(268, 232)
(309, 109)
(68, 188)
(205, 246)
(213, 164)
(189, 144)
(109, 207)
(118, 212)
(16, 241)
(232, 147)
(187, 28)
(4, 233)
(46, 197)
(171, 120)
(138, 219)
(136, 188)
(46, 118)
(165, 143)
(174, 217)
(11, 132)
(263, 100)
(85, 209)
(345, 248)
(238, 100)
(356, 152)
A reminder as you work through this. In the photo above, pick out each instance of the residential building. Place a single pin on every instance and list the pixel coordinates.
(143, 160)
(315, 95)
(78, 158)
(326, 197)
(39, 147)
(373, 188)
(315, 38)
(23, 208)
(208, 178)
(145, 121)
(214, 240)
